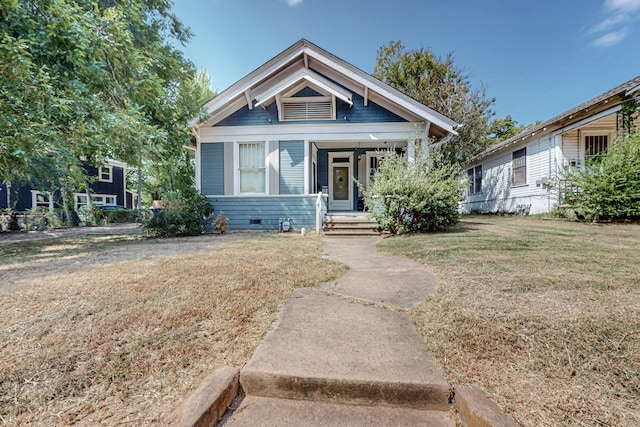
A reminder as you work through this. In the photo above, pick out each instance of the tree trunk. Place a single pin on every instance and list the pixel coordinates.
(139, 201)
(71, 215)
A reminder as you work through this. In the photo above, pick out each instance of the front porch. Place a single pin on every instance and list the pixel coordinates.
(343, 170)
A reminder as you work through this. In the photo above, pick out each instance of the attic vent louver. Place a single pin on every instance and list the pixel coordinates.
(307, 108)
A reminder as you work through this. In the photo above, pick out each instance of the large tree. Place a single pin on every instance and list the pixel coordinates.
(439, 84)
(85, 80)
(502, 129)
(177, 172)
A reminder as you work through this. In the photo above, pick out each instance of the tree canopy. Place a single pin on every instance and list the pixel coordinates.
(505, 128)
(438, 83)
(88, 80)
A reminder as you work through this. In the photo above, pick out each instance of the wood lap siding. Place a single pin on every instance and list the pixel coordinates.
(268, 210)
(212, 169)
(291, 167)
(358, 113)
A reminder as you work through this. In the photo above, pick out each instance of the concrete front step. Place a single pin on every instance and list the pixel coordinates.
(347, 223)
(329, 349)
(350, 224)
(350, 233)
(265, 411)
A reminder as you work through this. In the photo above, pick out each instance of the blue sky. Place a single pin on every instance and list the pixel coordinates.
(537, 58)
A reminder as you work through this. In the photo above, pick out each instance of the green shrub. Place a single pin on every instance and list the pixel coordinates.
(119, 216)
(415, 196)
(184, 215)
(54, 219)
(609, 187)
(90, 214)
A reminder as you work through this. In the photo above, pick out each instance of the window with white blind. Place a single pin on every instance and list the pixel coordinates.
(519, 167)
(595, 145)
(251, 167)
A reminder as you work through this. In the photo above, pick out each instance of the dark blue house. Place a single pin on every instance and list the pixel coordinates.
(304, 123)
(108, 187)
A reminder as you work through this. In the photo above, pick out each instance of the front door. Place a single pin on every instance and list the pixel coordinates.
(340, 181)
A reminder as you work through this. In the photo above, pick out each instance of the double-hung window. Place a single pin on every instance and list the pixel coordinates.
(39, 198)
(475, 179)
(251, 167)
(519, 167)
(105, 174)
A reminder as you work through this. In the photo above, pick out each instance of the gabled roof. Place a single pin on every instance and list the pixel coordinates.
(589, 108)
(260, 85)
(312, 78)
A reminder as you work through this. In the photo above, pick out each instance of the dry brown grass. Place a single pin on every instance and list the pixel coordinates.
(544, 314)
(125, 341)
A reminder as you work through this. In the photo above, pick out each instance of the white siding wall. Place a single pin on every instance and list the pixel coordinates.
(499, 196)
(571, 148)
(548, 153)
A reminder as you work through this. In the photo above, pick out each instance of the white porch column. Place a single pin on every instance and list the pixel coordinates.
(307, 167)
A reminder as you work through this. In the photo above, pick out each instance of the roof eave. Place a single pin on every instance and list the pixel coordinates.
(613, 95)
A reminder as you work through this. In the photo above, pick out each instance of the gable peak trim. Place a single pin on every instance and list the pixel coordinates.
(315, 80)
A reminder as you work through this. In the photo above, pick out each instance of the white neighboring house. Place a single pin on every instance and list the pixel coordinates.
(520, 175)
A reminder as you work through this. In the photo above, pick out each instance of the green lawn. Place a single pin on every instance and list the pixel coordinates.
(544, 314)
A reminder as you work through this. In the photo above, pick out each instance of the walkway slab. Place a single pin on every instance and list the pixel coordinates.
(348, 353)
(327, 348)
(263, 411)
(381, 278)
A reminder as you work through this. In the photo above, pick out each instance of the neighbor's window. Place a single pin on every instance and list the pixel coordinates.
(96, 199)
(475, 179)
(251, 165)
(595, 145)
(40, 199)
(519, 167)
(81, 200)
(105, 173)
(109, 200)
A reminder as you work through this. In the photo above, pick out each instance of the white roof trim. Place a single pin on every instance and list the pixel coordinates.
(373, 84)
(632, 90)
(587, 120)
(310, 76)
(300, 51)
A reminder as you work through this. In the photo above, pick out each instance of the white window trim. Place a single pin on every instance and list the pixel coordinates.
(282, 101)
(473, 176)
(103, 169)
(526, 168)
(96, 199)
(34, 199)
(236, 168)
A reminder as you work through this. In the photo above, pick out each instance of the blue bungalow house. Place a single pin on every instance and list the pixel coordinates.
(288, 141)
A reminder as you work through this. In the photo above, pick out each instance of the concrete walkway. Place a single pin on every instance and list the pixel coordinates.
(347, 353)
